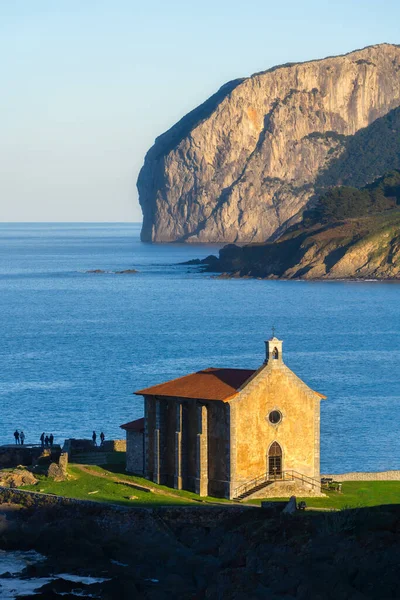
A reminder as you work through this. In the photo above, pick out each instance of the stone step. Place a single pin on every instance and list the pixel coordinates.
(253, 490)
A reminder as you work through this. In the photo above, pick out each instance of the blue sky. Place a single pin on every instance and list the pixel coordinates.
(87, 85)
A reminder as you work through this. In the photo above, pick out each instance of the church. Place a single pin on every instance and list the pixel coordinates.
(233, 433)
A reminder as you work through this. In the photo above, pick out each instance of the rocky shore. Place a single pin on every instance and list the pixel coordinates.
(352, 249)
(207, 553)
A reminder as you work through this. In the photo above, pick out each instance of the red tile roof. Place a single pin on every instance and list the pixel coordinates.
(209, 384)
(137, 425)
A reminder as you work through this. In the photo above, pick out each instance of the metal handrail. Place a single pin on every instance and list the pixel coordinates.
(242, 489)
(304, 478)
(266, 477)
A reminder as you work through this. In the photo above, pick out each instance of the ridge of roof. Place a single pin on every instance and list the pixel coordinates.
(207, 384)
(302, 383)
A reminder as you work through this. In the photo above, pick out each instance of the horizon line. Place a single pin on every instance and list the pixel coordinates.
(70, 222)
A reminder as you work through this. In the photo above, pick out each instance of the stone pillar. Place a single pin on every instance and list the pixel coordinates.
(202, 452)
(147, 466)
(63, 462)
(157, 460)
(178, 447)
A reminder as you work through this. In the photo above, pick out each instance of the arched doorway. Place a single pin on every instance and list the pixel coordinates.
(275, 461)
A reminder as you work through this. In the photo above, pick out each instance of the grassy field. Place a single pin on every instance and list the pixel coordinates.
(356, 494)
(111, 484)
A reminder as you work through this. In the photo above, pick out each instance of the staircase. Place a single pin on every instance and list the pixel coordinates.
(263, 481)
(252, 491)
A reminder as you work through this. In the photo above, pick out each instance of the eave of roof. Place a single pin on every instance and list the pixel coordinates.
(137, 425)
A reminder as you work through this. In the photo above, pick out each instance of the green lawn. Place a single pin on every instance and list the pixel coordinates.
(80, 485)
(356, 494)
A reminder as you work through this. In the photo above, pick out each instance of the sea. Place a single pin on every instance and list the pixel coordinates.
(75, 345)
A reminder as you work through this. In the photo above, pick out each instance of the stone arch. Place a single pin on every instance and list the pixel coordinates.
(275, 353)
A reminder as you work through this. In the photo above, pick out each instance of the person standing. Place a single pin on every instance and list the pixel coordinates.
(42, 439)
(22, 438)
(46, 441)
(94, 438)
(51, 439)
(16, 436)
(102, 438)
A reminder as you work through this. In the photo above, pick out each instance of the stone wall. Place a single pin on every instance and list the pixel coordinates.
(81, 446)
(366, 476)
(218, 449)
(275, 387)
(135, 452)
(114, 446)
(199, 515)
(12, 456)
(37, 499)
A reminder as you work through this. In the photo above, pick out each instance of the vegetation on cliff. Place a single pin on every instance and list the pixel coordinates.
(345, 202)
(367, 154)
(351, 234)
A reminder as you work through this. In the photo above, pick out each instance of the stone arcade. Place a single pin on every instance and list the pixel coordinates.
(231, 433)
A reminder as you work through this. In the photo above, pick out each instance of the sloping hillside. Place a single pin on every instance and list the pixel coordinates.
(352, 249)
(351, 233)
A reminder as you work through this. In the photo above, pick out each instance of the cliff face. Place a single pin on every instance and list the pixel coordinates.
(361, 248)
(243, 164)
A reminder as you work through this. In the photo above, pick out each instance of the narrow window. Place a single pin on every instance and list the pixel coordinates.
(275, 461)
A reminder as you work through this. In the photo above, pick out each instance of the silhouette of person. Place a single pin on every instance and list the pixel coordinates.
(102, 438)
(51, 439)
(42, 439)
(22, 438)
(94, 438)
(46, 441)
(16, 435)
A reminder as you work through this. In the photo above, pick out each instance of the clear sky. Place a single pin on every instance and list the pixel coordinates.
(87, 85)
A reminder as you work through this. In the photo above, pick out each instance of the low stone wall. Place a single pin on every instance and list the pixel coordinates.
(366, 476)
(180, 515)
(14, 455)
(82, 446)
(37, 499)
(114, 446)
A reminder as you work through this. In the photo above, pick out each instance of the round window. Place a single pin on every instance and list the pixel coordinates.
(275, 417)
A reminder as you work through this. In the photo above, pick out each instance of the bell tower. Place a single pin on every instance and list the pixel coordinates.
(273, 350)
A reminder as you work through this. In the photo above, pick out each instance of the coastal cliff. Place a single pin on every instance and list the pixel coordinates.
(365, 248)
(350, 233)
(243, 165)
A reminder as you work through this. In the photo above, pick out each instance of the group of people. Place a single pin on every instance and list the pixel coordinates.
(46, 440)
(19, 437)
(94, 438)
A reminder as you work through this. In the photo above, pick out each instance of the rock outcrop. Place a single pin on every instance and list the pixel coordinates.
(243, 165)
(363, 248)
(17, 478)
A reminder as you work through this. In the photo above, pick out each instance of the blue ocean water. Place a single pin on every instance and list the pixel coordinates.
(74, 345)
